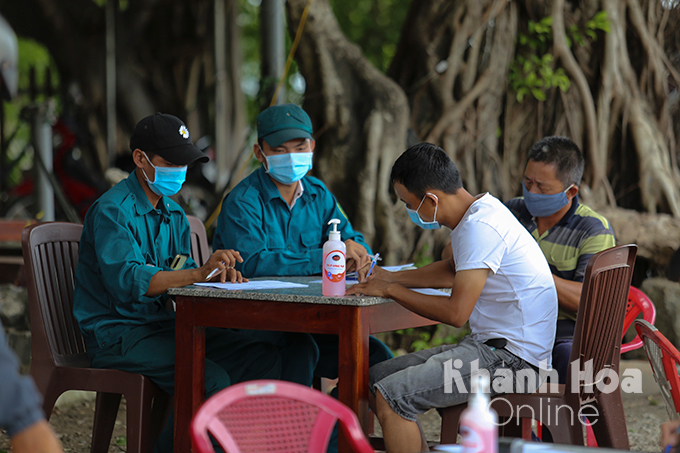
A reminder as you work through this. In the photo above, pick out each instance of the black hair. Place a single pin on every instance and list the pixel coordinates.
(563, 154)
(424, 167)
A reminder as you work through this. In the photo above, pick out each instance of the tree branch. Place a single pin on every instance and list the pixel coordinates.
(574, 70)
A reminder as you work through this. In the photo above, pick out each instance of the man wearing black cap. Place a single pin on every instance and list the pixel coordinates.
(130, 239)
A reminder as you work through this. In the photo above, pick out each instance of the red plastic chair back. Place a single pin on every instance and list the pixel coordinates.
(638, 302)
(664, 359)
(273, 416)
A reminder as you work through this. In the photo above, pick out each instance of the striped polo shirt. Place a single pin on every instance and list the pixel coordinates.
(568, 246)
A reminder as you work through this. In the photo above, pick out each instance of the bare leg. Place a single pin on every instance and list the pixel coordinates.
(400, 435)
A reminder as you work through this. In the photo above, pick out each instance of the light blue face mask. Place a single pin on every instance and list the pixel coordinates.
(167, 180)
(415, 217)
(542, 205)
(288, 168)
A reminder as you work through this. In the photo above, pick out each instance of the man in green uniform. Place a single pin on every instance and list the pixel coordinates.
(130, 239)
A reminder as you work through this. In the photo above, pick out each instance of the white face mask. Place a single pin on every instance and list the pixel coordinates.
(415, 217)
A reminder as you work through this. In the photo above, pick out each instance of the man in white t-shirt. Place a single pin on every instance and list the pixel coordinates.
(500, 282)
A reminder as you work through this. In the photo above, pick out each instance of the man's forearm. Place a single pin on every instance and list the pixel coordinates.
(435, 275)
(37, 438)
(568, 293)
(164, 280)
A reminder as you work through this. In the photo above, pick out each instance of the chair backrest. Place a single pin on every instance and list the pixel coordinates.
(638, 302)
(51, 256)
(200, 250)
(273, 416)
(599, 322)
(664, 359)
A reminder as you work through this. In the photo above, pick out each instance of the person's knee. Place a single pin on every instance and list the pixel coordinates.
(268, 361)
(305, 345)
(382, 407)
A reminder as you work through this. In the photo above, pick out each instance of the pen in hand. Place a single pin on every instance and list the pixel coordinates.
(215, 271)
(375, 260)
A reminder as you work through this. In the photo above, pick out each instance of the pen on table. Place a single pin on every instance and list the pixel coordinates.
(215, 271)
(670, 447)
(375, 260)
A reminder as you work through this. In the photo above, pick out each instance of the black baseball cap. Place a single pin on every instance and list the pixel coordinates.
(167, 136)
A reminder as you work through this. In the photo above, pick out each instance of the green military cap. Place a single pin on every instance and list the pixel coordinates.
(280, 123)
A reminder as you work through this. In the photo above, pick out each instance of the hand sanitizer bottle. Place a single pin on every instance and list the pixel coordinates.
(333, 266)
(479, 423)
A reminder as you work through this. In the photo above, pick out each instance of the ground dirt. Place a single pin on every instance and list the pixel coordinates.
(644, 413)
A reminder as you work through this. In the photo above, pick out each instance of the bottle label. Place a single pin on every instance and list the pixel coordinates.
(478, 439)
(334, 266)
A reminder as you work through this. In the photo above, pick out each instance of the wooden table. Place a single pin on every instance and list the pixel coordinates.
(295, 310)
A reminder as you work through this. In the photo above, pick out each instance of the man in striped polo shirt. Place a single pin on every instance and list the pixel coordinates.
(568, 232)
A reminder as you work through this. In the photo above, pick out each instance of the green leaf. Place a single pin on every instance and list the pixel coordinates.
(546, 72)
(531, 78)
(562, 82)
(591, 34)
(547, 21)
(521, 93)
(538, 94)
(121, 441)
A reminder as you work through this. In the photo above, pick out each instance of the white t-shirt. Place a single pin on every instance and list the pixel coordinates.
(519, 300)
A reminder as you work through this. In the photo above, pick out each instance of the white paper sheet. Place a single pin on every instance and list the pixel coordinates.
(259, 284)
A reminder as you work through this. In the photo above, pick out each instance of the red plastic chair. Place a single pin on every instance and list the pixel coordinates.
(273, 416)
(665, 359)
(638, 302)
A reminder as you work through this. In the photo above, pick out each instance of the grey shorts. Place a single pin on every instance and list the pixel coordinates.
(417, 382)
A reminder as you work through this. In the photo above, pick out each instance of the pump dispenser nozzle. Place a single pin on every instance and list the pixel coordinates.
(334, 234)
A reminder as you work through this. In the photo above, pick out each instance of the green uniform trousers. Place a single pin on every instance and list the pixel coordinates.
(231, 357)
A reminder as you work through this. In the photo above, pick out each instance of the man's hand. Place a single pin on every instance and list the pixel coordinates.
(372, 287)
(356, 255)
(37, 438)
(224, 261)
(669, 434)
(378, 272)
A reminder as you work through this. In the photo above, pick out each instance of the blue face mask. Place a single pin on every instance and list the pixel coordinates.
(288, 168)
(167, 180)
(415, 217)
(542, 205)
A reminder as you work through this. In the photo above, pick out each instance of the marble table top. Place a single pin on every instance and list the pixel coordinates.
(310, 294)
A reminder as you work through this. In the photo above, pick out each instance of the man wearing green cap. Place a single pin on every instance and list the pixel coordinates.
(278, 220)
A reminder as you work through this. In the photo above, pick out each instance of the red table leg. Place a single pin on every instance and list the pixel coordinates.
(189, 374)
(353, 363)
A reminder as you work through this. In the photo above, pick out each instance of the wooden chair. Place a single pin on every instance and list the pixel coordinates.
(597, 338)
(59, 359)
(665, 359)
(273, 416)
